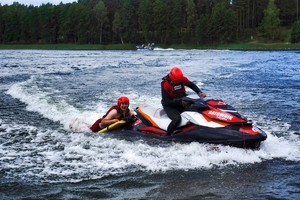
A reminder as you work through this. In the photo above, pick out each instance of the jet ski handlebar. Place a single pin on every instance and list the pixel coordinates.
(195, 103)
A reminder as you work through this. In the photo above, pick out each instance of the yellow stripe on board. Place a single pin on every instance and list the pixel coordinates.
(113, 126)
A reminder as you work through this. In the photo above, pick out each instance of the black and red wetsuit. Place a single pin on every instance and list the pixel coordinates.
(171, 103)
(96, 126)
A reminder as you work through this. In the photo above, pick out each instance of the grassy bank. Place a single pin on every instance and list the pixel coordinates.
(261, 46)
(68, 46)
(242, 46)
(233, 46)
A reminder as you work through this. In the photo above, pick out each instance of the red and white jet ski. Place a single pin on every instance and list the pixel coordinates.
(211, 121)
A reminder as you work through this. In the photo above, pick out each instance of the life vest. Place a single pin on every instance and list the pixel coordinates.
(118, 110)
(175, 91)
(111, 108)
(95, 127)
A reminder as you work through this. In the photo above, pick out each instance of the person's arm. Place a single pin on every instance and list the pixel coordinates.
(110, 118)
(195, 88)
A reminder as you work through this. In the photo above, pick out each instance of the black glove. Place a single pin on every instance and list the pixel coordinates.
(185, 104)
(129, 119)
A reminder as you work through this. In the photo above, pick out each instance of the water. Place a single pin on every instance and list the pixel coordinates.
(44, 92)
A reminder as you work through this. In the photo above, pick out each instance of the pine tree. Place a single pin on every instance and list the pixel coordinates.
(191, 19)
(100, 12)
(117, 26)
(145, 18)
(295, 34)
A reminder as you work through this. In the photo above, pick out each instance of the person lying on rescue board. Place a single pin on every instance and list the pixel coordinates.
(114, 114)
(173, 88)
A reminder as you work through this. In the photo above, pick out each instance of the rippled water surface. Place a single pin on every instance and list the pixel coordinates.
(48, 99)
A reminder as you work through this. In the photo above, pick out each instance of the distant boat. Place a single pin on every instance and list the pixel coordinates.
(145, 47)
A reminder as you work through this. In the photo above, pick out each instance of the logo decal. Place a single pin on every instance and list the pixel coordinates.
(219, 115)
(177, 87)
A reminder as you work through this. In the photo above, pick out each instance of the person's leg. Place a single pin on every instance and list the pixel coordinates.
(174, 115)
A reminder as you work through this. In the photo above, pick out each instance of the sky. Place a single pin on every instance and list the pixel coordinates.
(35, 2)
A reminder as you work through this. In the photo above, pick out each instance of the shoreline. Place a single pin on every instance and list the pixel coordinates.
(232, 46)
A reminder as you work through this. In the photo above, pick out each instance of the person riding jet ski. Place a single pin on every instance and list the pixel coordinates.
(114, 114)
(173, 88)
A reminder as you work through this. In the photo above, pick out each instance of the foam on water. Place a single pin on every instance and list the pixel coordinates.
(162, 49)
(91, 156)
(43, 102)
(53, 156)
(38, 100)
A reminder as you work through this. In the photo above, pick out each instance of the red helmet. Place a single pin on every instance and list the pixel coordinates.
(176, 74)
(122, 99)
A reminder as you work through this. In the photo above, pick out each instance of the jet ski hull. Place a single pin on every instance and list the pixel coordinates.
(231, 136)
(211, 121)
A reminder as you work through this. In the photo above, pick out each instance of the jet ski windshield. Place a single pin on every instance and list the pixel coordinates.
(197, 104)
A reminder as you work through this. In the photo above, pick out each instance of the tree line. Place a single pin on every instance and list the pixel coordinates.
(143, 21)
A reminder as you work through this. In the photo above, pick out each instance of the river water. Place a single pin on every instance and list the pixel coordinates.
(48, 98)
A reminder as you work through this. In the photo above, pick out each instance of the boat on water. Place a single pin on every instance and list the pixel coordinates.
(145, 47)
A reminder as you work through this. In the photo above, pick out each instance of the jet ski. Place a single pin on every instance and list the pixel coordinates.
(211, 121)
(145, 47)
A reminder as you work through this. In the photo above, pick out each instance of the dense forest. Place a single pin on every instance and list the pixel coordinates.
(143, 21)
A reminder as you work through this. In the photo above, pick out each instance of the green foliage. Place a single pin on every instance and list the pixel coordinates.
(191, 19)
(295, 33)
(202, 30)
(145, 18)
(117, 26)
(100, 13)
(176, 22)
(142, 21)
(271, 21)
(12, 22)
(160, 20)
(223, 23)
(127, 19)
